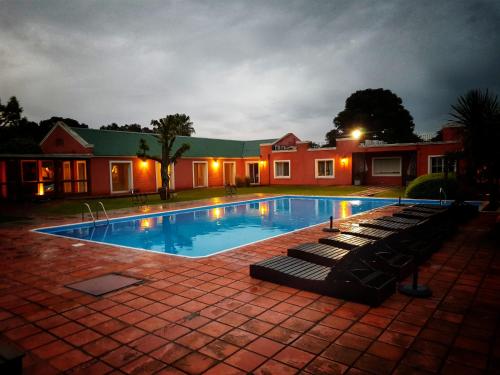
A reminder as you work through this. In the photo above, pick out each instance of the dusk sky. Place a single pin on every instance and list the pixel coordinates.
(243, 69)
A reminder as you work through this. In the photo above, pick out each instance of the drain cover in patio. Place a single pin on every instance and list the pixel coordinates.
(104, 284)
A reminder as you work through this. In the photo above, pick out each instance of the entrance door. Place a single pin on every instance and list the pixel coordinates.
(229, 173)
(200, 174)
(253, 173)
(67, 177)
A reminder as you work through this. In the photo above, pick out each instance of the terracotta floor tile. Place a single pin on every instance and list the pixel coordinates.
(134, 317)
(239, 337)
(194, 321)
(310, 344)
(323, 366)
(283, 335)
(265, 347)
(274, 367)
(69, 360)
(272, 317)
(94, 319)
(374, 364)
(429, 347)
(155, 308)
(233, 319)
(250, 310)
(172, 331)
(148, 343)
(286, 308)
(194, 340)
(92, 367)
(341, 354)
(101, 346)
(152, 324)
(336, 322)
(422, 361)
(375, 320)
(109, 327)
(324, 332)
(396, 338)
(170, 352)
(173, 315)
(245, 360)
(256, 326)
(218, 349)
(128, 334)
(353, 341)
(138, 303)
(82, 337)
(297, 324)
(51, 349)
(117, 310)
(386, 351)
(121, 356)
(195, 363)
(294, 357)
(143, 365)
(404, 328)
(36, 340)
(224, 369)
(365, 330)
(215, 329)
(213, 312)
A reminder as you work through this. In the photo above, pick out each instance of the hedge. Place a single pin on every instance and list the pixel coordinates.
(427, 186)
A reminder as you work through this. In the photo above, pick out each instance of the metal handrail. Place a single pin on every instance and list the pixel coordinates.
(104, 210)
(90, 212)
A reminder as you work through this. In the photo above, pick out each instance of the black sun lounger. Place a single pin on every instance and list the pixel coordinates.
(369, 233)
(401, 220)
(378, 257)
(355, 281)
(386, 225)
(398, 264)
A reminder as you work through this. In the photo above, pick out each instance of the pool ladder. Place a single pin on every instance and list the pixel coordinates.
(96, 217)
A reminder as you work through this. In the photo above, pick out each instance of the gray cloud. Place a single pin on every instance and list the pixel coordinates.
(243, 69)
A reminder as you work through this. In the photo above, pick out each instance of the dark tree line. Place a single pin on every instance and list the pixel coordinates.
(18, 135)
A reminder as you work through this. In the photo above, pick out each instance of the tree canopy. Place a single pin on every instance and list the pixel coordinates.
(137, 128)
(167, 129)
(379, 113)
(479, 112)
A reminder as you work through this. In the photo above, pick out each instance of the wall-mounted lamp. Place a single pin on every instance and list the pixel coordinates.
(144, 164)
(344, 161)
(215, 164)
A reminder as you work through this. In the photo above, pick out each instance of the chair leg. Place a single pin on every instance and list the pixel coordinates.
(414, 289)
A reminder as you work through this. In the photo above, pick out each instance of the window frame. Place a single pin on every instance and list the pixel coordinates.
(387, 174)
(130, 177)
(316, 168)
(429, 164)
(289, 169)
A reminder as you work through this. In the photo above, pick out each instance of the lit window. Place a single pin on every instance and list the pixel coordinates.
(325, 168)
(388, 166)
(282, 169)
(121, 176)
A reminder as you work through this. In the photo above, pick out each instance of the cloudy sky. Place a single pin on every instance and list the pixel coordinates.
(243, 69)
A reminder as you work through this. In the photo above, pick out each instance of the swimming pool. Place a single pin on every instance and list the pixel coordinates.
(204, 231)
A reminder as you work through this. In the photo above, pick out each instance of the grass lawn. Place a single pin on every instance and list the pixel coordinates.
(74, 206)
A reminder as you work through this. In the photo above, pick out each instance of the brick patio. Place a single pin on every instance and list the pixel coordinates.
(208, 316)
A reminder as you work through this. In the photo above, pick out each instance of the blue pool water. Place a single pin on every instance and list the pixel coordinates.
(205, 231)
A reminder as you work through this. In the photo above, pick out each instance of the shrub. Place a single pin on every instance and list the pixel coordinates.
(427, 186)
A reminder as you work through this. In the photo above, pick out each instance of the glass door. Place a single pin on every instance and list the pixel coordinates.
(253, 173)
(200, 176)
(229, 173)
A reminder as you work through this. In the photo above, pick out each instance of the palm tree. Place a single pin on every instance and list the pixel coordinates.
(479, 112)
(167, 129)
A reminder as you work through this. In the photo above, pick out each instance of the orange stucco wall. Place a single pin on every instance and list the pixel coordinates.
(184, 171)
(143, 175)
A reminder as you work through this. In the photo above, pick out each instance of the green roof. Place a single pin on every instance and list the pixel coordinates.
(117, 143)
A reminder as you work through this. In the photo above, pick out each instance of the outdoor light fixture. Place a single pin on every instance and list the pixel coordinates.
(144, 164)
(356, 133)
(344, 160)
(215, 164)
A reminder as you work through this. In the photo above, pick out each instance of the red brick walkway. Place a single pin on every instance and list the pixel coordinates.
(208, 315)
